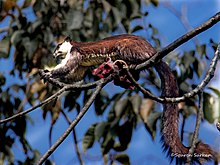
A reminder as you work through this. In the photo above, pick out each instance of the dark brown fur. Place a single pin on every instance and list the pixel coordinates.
(133, 50)
(170, 137)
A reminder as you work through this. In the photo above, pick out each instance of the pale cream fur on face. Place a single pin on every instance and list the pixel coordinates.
(64, 49)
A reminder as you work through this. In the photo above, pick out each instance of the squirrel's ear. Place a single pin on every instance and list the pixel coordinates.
(68, 39)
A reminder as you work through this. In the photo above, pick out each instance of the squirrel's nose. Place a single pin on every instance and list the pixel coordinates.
(54, 55)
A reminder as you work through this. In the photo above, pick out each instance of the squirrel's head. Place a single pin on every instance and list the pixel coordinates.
(62, 49)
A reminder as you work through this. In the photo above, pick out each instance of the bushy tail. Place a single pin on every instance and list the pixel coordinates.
(170, 136)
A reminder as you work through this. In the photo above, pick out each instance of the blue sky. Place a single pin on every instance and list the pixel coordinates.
(141, 149)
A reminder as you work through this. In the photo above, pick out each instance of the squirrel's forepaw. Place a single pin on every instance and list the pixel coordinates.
(44, 74)
(116, 68)
(104, 70)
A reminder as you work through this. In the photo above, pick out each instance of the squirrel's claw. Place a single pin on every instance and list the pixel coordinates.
(44, 74)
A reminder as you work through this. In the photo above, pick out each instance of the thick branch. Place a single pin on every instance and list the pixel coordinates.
(149, 62)
(75, 140)
(73, 124)
(186, 37)
(99, 84)
(200, 87)
(79, 85)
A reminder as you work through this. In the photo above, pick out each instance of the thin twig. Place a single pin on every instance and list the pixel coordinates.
(182, 128)
(186, 37)
(59, 84)
(196, 132)
(34, 107)
(72, 125)
(195, 91)
(25, 99)
(146, 64)
(181, 15)
(4, 29)
(159, 55)
(54, 96)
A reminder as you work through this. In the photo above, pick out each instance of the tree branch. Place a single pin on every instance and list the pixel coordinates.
(196, 132)
(181, 15)
(159, 55)
(182, 128)
(75, 139)
(186, 37)
(4, 29)
(34, 107)
(152, 60)
(195, 91)
(54, 96)
(73, 124)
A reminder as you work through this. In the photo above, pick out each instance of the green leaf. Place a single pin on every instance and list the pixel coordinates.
(55, 112)
(107, 7)
(30, 46)
(201, 49)
(125, 133)
(89, 138)
(36, 25)
(88, 18)
(211, 108)
(151, 122)
(188, 58)
(101, 102)
(197, 68)
(48, 36)
(138, 16)
(20, 126)
(120, 107)
(146, 108)
(74, 19)
(9, 154)
(2, 79)
(123, 159)
(214, 44)
(155, 2)
(100, 130)
(133, 9)
(16, 87)
(136, 28)
(149, 116)
(107, 144)
(136, 101)
(48, 162)
(155, 30)
(146, 13)
(119, 148)
(216, 91)
(87, 94)
(17, 37)
(70, 100)
(4, 48)
(117, 15)
(190, 72)
(156, 41)
(26, 3)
